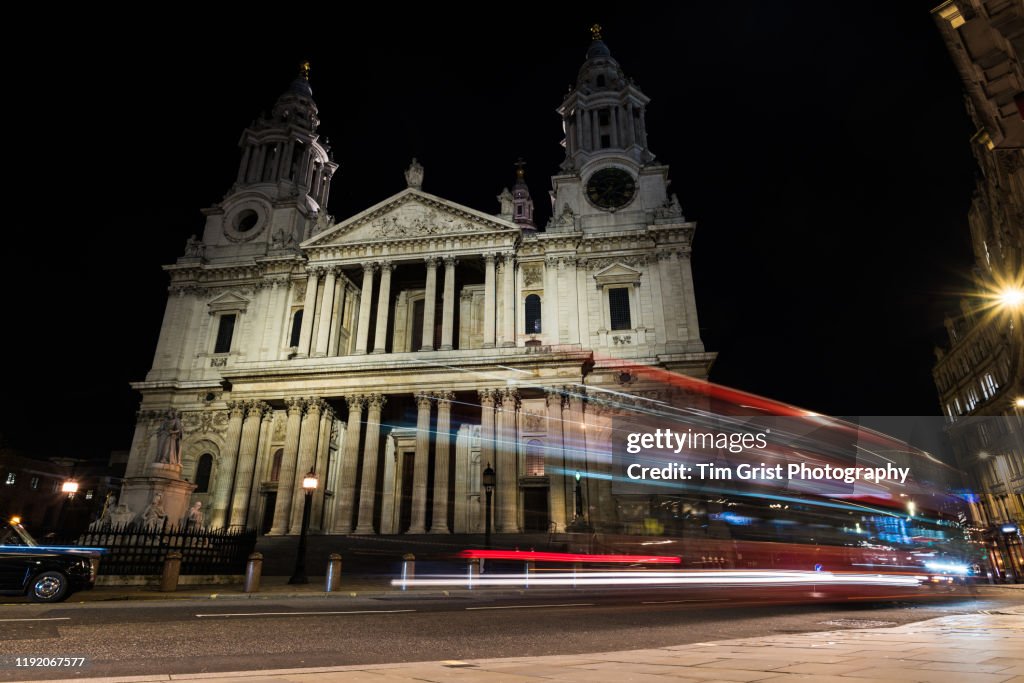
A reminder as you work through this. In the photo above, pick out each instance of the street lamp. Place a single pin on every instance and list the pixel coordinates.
(488, 480)
(579, 497)
(309, 484)
(69, 488)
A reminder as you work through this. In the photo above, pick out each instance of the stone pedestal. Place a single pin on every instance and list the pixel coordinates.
(137, 492)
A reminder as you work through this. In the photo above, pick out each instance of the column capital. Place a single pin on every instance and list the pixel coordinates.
(487, 396)
(355, 402)
(369, 267)
(553, 396)
(490, 257)
(376, 401)
(509, 395)
(258, 409)
(316, 271)
(315, 404)
(450, 261)
(386, 266)
(423, 399)
(294, 405)
(444, 396)
(431, 261)
(236, 408)
(551, 261)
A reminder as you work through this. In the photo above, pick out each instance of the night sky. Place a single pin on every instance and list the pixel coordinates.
(823, 153)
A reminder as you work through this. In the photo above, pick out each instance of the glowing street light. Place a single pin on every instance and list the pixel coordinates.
(309, 484)
(489, 480)
(1011, 297)
(69, 487)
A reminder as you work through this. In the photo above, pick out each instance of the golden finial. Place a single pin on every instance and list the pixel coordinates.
(304, 70)
(595, 32)
(520, 171)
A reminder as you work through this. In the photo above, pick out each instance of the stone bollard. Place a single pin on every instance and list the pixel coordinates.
(172, 567)
(253, 573)
(473, 571)
(408, 569)
(333, 572)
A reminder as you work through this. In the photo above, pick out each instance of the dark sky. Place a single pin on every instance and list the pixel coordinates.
(823, 153)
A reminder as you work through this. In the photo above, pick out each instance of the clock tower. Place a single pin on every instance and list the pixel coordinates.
(609, 180)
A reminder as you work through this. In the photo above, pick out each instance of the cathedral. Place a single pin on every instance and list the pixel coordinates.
(398, 353)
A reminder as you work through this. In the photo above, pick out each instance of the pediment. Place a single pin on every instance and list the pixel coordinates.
(410, 214)
(228, 301)
(617, 273)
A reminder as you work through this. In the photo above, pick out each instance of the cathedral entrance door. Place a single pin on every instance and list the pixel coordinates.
(535, 509)
(269, 502)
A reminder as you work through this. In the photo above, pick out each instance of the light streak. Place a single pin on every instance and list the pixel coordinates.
(689, 579)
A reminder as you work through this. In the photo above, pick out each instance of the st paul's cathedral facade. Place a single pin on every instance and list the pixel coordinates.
(399, 352)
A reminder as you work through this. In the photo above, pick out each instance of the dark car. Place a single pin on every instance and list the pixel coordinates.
(44, 573)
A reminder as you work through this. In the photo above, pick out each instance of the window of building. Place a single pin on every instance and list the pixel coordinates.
(89, 494)
(34, 483)
(225, 330)
(971, 399)
(519, 210)
(533, 314)
(11, 478)
(604, 117)
(600, 81)
(988, 385)
(535, 459)
(618, 307)
(606, 141)
(296, 329)
(203, 469)
(275, 465)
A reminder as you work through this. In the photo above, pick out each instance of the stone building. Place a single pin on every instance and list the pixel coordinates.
(398, 352)
(980, 377)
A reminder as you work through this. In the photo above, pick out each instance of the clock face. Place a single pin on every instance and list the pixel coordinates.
(611, 188)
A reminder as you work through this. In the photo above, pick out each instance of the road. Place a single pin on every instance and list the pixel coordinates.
(141, 637)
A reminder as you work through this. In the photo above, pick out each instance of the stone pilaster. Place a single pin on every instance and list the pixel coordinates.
(252, 520)
(286, 477)
(508, 309)
(418, 522)
(349, 465)
(549, 312)
(368, 493)
(442, 450)
(247, 453)
(226, 466)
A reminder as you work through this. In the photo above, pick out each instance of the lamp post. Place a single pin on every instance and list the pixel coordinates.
(488, 480)
(579, 497)
(69, 488)
(309, 484)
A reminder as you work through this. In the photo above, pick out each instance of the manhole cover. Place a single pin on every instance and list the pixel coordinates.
(857, 623)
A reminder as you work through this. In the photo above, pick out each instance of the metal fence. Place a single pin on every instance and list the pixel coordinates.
(137, 550)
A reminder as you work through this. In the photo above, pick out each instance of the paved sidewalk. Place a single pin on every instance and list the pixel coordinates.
(973, 648)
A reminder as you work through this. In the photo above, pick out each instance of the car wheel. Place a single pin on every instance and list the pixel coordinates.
(49, 587)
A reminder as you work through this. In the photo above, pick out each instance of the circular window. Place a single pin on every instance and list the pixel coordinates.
(246, 220)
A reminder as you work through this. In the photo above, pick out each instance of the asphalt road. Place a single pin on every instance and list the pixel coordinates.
(134, 637)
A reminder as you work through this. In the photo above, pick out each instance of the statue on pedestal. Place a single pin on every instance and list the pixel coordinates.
(194, 518)
(154, 516)
(168, 440)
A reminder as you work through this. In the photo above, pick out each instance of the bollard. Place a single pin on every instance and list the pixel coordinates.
(473, 571)
(172, 567)
(253, 572)
(333, 572)
(408, 569)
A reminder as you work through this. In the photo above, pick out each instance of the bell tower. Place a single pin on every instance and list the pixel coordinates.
(283, 182)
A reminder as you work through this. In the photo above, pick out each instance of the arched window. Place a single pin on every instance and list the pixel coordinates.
(296, 329)
(203, 468)
(532, 314)
(534, 459)
(275, 466)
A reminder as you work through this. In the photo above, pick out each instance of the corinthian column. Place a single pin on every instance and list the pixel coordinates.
(489, 301)
(323, 333)
(308, 313)
(508, 326)
(307, 457)
(380, 337)
(226, 466)
(448, 305)
(368, 492)
(365, 302)
(554, 462)
(507, 470)
(418, 522)
(247, 453)
(429, 299)
(442, 448)
(349, 465)
(286, 477)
